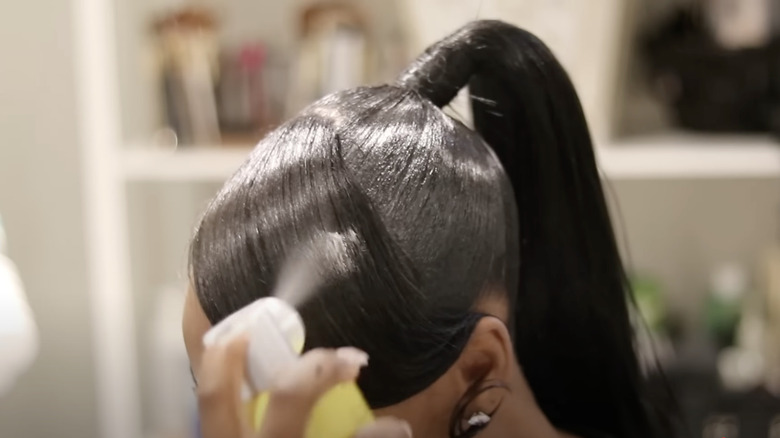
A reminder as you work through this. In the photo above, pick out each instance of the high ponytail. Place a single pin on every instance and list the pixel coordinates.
(572, 332)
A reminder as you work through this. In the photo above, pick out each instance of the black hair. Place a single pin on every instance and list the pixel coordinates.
(439, 216)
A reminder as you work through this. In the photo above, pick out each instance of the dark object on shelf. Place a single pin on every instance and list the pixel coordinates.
(755, 414)
(709, 411)
(186, 47)
(712, 88)
(241, 95)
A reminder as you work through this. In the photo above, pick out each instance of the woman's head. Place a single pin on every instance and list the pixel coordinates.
(480, 264)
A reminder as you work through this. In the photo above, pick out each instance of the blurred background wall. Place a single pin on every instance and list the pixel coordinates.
(40, 201)
(676, 230)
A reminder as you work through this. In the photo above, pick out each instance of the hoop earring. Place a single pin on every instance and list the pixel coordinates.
(460, 427)
(479, 419)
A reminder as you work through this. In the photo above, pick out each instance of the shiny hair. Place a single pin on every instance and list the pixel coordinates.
(439, 216)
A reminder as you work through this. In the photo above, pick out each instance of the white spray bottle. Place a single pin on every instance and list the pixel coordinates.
(276, 339)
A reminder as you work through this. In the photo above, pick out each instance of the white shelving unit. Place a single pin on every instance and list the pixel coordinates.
(116, 361)
(663, 156)
(690, 156)
(206, 164)
(110, 166)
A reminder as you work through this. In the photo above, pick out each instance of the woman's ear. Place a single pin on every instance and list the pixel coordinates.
(488, 355)
(468, 395)
(486, 369)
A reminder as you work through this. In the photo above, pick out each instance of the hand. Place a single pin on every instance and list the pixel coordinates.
(222, 412)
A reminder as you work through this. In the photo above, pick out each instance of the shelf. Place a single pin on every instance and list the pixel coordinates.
(205, 164)
(690, 156)
(664, 156)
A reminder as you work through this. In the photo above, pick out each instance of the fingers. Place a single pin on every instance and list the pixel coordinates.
(386, 427)
(297, 389)
(291, 400)
(219, 391)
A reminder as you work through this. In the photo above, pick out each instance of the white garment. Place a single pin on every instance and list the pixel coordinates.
(18, 332)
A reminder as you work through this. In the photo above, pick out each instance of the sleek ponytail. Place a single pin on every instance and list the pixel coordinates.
(573, 336)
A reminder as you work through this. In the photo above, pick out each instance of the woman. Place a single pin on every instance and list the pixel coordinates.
(484, 280)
